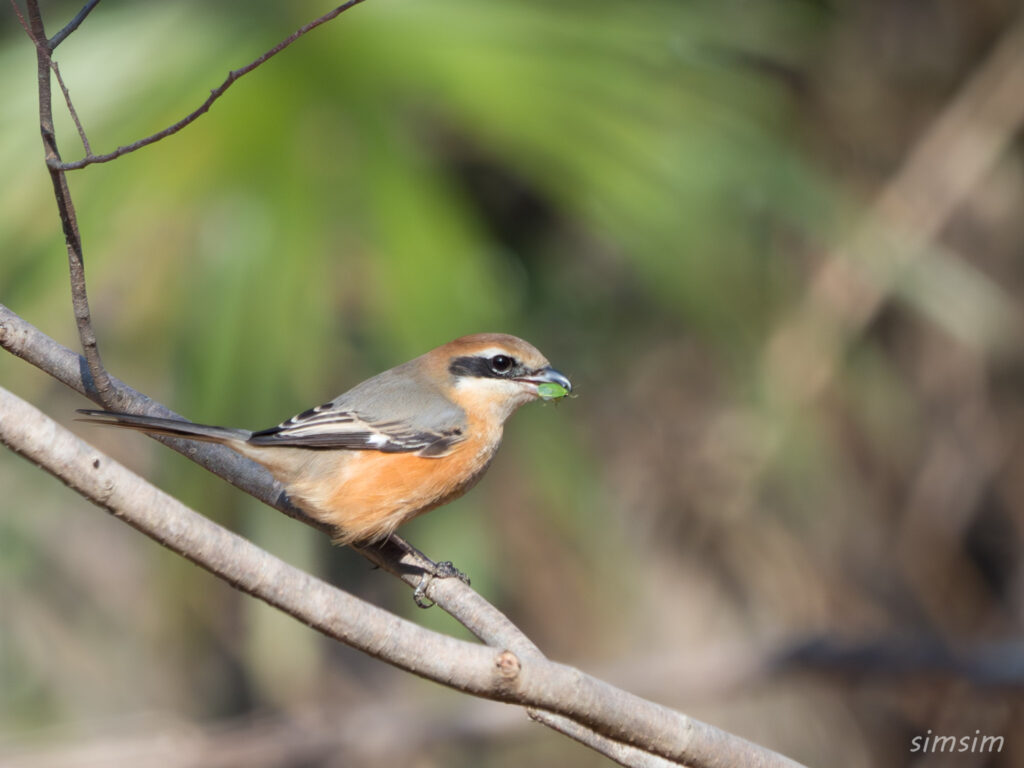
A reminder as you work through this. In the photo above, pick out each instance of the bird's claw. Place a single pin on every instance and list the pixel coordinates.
(419, 595)
(447, 570)
(444, 570)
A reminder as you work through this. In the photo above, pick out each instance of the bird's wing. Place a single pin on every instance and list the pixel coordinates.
(397, 418)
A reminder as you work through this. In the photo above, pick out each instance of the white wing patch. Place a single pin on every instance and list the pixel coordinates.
(329, 427)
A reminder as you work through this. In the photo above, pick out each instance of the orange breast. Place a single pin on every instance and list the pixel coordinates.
(369, 493)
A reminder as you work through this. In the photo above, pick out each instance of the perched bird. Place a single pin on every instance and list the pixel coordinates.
(395, 446)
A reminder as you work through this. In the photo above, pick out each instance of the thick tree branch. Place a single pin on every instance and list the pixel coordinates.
(501, 675)
(456, 598)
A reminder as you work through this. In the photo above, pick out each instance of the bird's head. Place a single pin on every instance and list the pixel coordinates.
(499, 373)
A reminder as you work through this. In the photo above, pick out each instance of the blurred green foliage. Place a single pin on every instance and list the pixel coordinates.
(639, 189)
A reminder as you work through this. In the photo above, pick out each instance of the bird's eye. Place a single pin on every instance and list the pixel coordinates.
(502, 363)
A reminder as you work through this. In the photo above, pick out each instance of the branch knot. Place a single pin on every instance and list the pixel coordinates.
(508, 666)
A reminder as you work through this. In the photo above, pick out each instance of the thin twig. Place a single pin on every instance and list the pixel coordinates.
(46, 49)
(215, 94)
(24, 24)
(72, 25)
(71, 107)
(623, 754)
(66, 208)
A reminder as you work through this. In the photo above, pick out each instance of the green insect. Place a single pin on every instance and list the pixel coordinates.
(549, 390)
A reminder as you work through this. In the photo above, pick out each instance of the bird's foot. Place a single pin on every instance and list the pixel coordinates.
(429, 570)
(443, 570)
(447, 570)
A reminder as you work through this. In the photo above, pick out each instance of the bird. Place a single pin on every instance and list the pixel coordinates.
(395, 446)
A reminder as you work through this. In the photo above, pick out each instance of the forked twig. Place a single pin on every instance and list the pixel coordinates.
(34, 28)
(215, 94)
(65, 205)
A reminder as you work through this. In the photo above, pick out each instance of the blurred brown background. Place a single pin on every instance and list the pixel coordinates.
(778, 248)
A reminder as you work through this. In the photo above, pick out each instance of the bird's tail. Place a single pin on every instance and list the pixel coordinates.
(155, 425)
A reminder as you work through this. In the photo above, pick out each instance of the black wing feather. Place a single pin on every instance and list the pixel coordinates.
(327, 427)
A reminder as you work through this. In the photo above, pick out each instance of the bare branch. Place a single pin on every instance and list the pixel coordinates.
(72, 25)
(623, 754)
(215, 94)
(24, 24)
(66, 208)
(482, 671)
(24, 340)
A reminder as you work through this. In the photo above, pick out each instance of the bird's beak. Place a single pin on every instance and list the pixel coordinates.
(547, 375)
